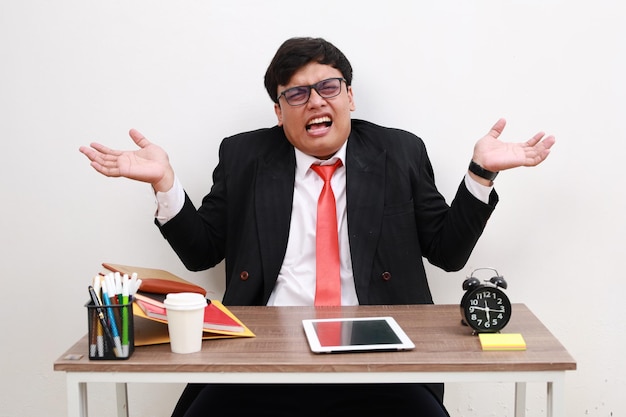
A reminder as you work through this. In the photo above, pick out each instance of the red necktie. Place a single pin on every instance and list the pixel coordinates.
(328, 282)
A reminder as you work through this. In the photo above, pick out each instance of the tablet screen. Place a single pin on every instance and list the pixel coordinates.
(362, 332)
(355, 334)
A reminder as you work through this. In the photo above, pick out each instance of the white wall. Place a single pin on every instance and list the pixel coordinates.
(189, 73)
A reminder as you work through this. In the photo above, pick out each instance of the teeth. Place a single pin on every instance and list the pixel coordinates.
(324, 119)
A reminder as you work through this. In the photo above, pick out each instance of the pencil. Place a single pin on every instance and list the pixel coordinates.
(93, 334)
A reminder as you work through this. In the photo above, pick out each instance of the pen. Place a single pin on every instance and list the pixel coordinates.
(95, 331)
(116, 336)
(103, 322)
(99, 330)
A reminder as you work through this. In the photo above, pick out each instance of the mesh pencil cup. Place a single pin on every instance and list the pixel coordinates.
(111, 331)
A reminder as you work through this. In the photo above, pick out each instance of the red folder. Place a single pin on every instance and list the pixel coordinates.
(215, 319)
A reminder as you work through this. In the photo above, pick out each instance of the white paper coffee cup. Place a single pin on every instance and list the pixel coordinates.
(185, 318)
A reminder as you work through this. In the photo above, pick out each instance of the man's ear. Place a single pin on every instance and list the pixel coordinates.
(351, 99)
(279, 113)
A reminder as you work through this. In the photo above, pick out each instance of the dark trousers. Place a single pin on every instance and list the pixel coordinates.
(327, 400)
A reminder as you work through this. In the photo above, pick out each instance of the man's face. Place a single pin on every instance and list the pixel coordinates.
(322, 125)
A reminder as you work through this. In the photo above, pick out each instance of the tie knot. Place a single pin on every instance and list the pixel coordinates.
(326, 171)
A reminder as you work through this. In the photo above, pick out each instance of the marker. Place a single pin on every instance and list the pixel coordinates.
(112, 279)
(137, 286)
(132, 289)
(110, 286)
(118, 287)
(116, 335)
(96, 301)
(125, 300)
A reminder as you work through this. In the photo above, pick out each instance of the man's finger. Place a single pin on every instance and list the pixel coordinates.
(138, 138)
(497, 128)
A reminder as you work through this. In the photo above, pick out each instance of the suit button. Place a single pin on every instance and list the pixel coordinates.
(244, 275)
(386, 276)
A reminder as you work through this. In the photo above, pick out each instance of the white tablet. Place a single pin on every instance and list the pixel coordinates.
(362, 334)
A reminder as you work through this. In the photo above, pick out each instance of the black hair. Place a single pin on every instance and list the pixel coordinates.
(295, 53)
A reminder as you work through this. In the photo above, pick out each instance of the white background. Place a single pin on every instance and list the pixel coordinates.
(188, 73)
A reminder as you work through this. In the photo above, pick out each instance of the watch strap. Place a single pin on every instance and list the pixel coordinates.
(482, 172)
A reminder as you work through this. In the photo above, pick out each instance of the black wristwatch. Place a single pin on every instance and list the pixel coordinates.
(482, 172)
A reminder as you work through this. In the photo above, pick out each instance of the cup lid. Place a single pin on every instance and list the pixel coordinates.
(184, 301)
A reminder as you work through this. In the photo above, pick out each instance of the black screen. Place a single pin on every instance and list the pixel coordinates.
(355, 333)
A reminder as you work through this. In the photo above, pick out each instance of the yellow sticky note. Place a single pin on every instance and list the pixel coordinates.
(502, 341)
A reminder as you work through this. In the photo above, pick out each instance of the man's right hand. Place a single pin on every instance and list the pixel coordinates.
(149, 163)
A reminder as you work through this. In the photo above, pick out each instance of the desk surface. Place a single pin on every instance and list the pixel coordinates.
(442, 345)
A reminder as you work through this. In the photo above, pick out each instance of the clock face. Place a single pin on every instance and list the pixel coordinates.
(486, 309)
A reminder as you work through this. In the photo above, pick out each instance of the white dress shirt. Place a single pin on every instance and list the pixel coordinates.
(296, 280)
(295, 284)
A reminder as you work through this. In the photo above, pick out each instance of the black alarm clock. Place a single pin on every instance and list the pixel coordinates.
(484, 306)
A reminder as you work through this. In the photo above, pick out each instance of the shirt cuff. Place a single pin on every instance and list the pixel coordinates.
(169, 203)
(478, 190)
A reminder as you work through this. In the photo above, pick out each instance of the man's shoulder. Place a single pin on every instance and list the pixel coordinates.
(383, 135)
(266, 133)
(256, 140)
(264, 143)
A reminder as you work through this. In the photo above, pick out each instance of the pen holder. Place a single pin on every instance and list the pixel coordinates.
(111, 331)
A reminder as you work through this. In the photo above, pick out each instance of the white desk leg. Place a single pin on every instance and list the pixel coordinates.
(76, 398)
(520, 399)
(556, 399)
(121, 391)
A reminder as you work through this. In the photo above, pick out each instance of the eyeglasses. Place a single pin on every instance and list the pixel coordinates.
(297, 96)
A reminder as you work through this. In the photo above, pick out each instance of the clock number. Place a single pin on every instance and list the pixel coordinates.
(483, 294)
(486, 301)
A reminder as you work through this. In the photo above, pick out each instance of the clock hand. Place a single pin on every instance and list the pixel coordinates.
(487, 311)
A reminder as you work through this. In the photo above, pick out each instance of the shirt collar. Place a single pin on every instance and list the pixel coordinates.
(304, 161)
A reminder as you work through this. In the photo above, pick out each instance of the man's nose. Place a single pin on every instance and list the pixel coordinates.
(316, 98)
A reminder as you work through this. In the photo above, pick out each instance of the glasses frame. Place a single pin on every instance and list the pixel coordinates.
(312, 87)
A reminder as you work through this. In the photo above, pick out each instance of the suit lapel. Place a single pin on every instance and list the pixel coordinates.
(273, 200)
(365, 192)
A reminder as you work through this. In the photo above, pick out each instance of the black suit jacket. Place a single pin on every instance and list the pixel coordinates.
(395, 216)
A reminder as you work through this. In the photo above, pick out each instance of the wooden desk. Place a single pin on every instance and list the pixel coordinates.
(445, 351)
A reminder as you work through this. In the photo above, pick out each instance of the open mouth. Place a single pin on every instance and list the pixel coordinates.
(319, 123)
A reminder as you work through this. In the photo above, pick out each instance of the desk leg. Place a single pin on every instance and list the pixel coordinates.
(121, 391)
(76, 398)
(520, 399)
(556, 399)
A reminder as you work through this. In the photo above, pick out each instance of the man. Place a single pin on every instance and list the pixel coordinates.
(260, 216)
